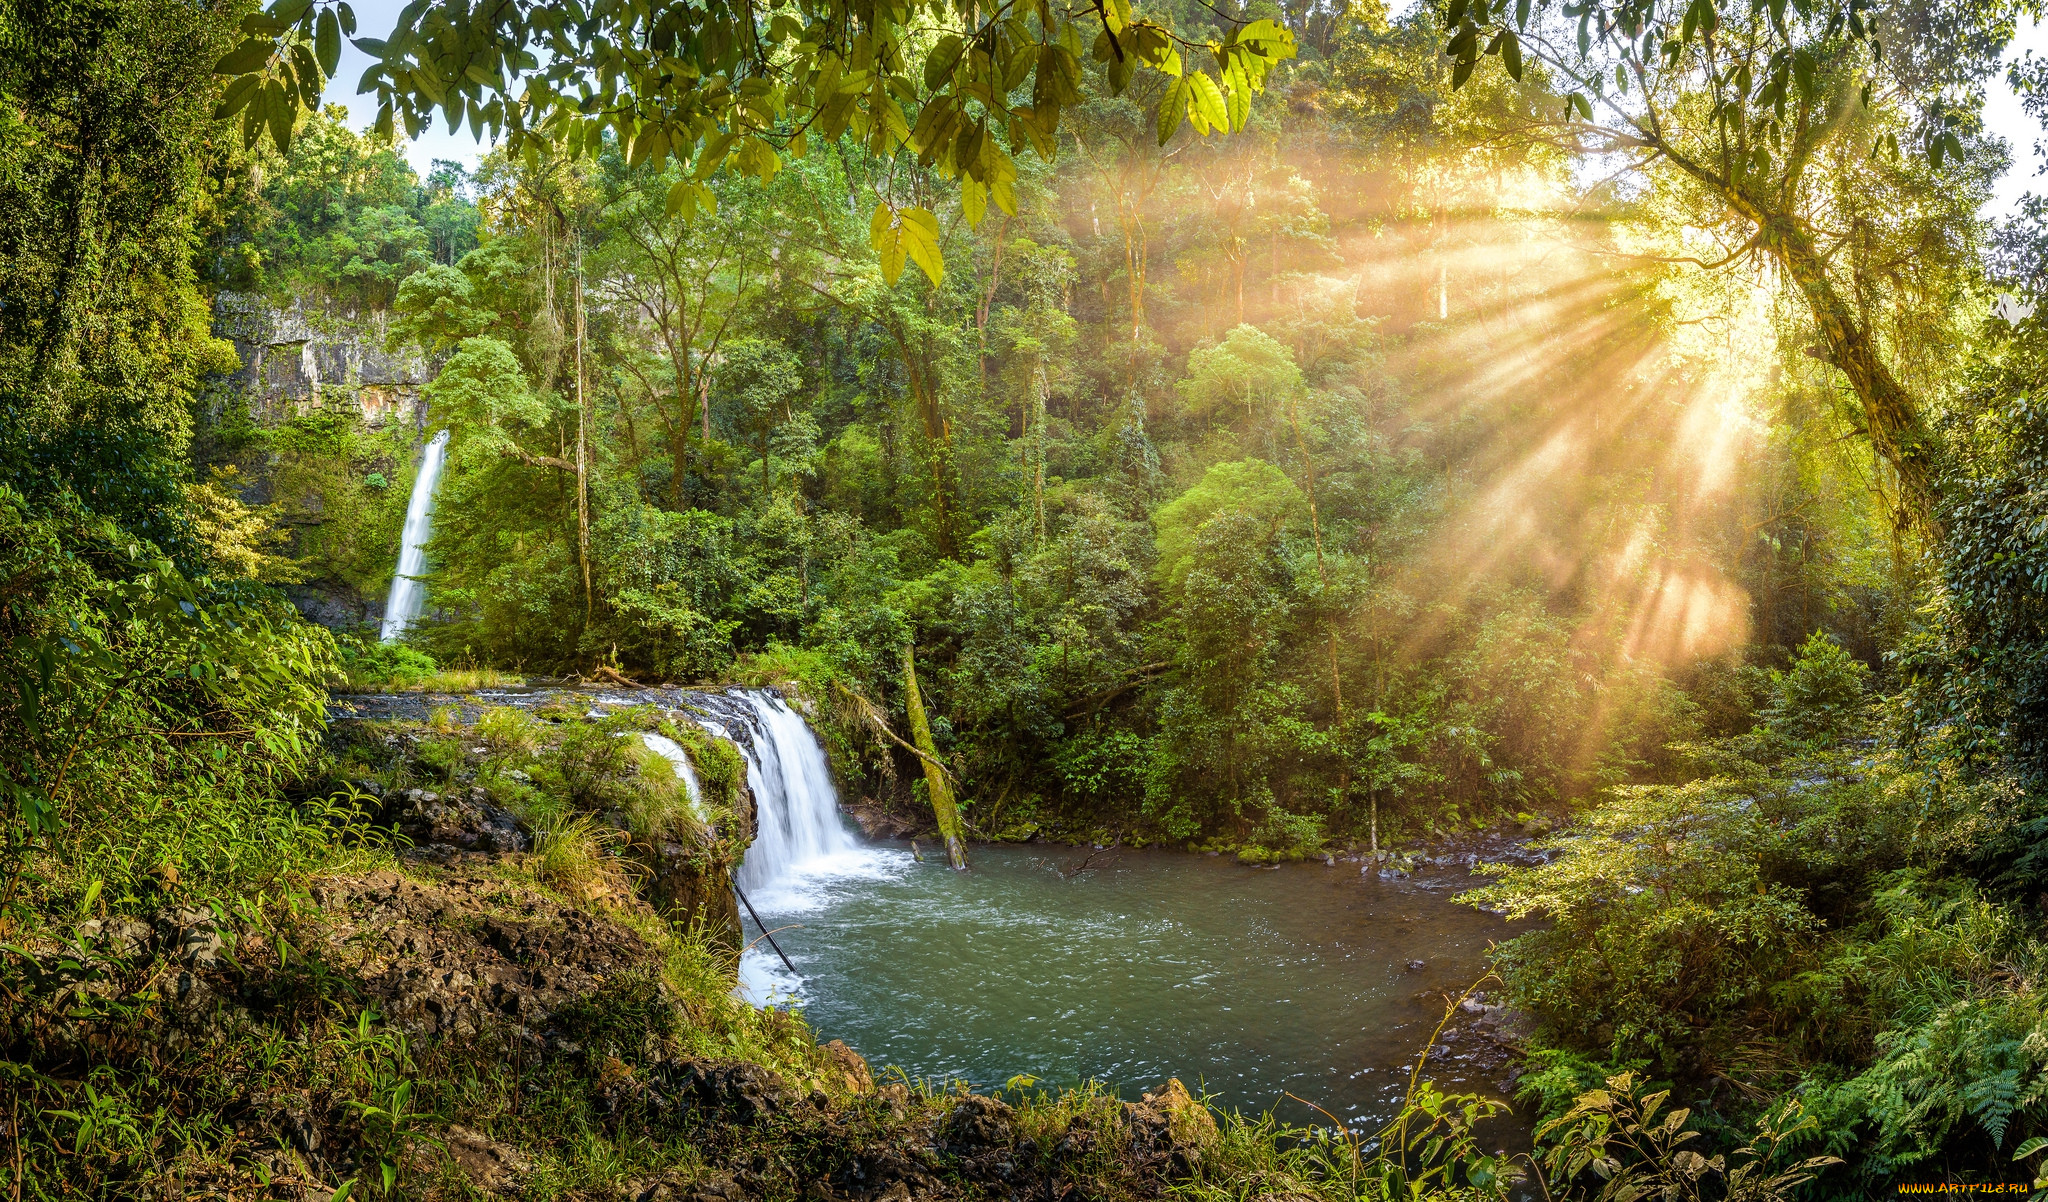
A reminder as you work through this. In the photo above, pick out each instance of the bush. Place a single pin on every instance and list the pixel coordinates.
(366, 665)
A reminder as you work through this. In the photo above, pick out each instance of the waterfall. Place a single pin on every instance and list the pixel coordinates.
(407, 592)
(802, 845)
(673, 752)
(798, 829)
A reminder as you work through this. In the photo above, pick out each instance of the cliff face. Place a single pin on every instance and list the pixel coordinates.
(342, 498)
(298, 360)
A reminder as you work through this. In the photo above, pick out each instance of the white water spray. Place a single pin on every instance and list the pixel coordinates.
(407, 591)
(799, 832)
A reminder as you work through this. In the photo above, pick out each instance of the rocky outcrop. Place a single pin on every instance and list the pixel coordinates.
(458, 821)
(297, 360)
(470, 952)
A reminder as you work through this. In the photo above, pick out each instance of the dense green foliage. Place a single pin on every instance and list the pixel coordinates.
(1360, 477)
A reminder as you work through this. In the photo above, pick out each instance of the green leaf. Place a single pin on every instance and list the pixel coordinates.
(309, 75)
(1511, 54)
(252, 119)
(244, 58)
(885, 237)
(1206, 107)
(327, 42)
(237, 96)
(973, 201)
(1237, 92)
(939, 64)
(919, 233)
(348, 18)
(1173, 107)
(279, 108)
(682, 200)
(289, 11)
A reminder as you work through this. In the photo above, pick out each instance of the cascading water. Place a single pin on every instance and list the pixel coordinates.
(673, 752)
(802, 845)
(407, 591)
(798, 829)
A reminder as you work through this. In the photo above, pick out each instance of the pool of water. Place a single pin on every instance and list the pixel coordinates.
(1250, 983)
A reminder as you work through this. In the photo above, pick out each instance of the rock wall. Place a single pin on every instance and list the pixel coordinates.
(299, 360)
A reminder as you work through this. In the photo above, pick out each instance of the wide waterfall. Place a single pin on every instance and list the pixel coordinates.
(407, 591)
(799, 831)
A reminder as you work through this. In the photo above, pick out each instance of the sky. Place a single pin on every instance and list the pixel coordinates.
(375, 17)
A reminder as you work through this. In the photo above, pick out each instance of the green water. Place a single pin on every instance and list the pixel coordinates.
(1251, 983)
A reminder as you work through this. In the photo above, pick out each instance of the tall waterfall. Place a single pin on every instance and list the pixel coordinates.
(407, 592)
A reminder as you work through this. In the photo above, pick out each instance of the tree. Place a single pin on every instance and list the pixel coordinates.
(686, 279)
(760, 379)
(937, 785)
(1782, 118)
(727, 83)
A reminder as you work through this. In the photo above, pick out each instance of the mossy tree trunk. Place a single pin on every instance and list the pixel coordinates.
(935, 782)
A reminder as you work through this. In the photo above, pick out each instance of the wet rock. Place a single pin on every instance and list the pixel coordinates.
(487, 1163)
(876, 822)
(1168, 1132)
(693, 890)
(1417, 965)
(467, 823)
(190, 936)
(1191, 1119)
(894, 1098)
(456, 956)
(885, 1175)
(119, 938)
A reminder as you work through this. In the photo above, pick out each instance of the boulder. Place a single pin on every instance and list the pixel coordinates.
(977, 1122)
(847, 1068)
(740, 1093)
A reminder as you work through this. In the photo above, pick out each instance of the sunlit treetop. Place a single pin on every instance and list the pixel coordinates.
(724, 84)
(1781, 115)
(1770, 65)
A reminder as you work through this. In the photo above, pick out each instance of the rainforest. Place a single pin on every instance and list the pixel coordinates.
(880, 600)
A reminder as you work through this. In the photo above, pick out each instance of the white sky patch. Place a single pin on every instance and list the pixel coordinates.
(2004, 117)
(374, 19)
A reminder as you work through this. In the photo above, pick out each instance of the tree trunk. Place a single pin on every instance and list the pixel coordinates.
(1039, 384)
(1315, 525)
(582, 448)
(1891, 419)
(935, 782)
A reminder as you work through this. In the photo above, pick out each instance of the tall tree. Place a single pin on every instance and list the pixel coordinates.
(1783, 120)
